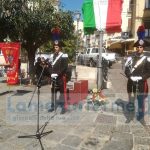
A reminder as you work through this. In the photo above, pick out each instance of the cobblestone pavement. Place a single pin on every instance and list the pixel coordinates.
(108, 127)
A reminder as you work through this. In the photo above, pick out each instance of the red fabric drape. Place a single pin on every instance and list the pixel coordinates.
(114, 20)
(11, 55)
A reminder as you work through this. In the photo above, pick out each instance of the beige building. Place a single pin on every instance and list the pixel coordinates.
(120, 42)
(80, 34)
(134, 14)
(140, 15)
(112, 40)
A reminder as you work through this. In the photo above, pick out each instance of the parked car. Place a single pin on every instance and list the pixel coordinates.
(91, 55)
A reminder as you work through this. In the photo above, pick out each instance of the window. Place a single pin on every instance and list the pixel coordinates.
(147, 3)
(147, 28)
(95, 50)
(88, 51)
(147, 32)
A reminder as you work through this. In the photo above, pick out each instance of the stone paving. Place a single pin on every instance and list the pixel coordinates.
(81, 128)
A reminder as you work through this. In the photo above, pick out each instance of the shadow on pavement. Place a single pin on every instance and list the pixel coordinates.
(3, 81)
(130, 115)
(21, 92)
(6, 92)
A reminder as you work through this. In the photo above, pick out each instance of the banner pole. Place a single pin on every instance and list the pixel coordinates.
(20, 66)
(99, 66)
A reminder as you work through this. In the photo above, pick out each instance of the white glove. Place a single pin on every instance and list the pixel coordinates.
(54, 75)
(135, 78)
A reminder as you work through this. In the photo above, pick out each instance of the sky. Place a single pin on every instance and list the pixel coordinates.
(73, 5)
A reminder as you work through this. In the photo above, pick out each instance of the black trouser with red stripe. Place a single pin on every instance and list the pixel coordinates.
(58, 86)
(142, 91)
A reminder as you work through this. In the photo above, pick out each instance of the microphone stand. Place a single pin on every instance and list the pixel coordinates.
(39, 132)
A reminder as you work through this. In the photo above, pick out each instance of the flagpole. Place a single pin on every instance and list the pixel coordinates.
(99, 66)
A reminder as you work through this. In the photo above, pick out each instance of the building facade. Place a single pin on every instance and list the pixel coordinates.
(141, 15)
(109, 40)
(134, 14)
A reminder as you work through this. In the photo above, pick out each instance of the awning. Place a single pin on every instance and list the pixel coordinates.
(128, 40)
(117, 44)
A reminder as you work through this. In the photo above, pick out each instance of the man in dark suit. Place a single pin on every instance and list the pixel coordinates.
(137, 70)
(38, 68)
(58, 76)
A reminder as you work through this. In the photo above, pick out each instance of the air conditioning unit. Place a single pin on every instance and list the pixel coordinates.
(125, 35)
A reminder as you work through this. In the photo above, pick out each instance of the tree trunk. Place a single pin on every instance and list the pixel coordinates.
(31, 58)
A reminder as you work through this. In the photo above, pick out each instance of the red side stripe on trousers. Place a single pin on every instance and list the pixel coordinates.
(145, 94)
(65, 92)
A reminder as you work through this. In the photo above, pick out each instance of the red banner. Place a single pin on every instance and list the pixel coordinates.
(11, 55)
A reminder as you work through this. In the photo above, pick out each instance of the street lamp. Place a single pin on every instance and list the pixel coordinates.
(77, 15)
(125, 36)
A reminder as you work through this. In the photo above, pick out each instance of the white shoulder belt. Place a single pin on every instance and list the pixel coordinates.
(138, 63)
(59, 55)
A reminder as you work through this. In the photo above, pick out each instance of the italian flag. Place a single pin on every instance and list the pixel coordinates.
(102, 15)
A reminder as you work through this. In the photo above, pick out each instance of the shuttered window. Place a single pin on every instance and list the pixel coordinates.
(147, 27)
(147, 3)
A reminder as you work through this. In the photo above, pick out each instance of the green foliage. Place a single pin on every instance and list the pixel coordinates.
(32, 25)
(70, 49)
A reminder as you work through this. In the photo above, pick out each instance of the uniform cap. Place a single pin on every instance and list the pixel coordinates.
(141, 42)
(58, 43)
